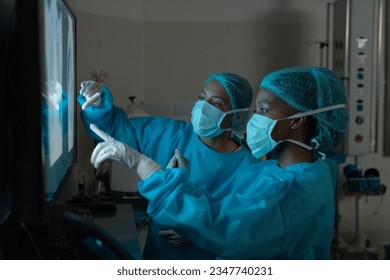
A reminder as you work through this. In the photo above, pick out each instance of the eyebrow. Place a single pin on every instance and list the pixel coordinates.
(262, 102)
(214, 96)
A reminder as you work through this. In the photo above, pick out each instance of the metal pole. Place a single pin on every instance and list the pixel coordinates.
(359, 227)
(328, 38)
(347, 38)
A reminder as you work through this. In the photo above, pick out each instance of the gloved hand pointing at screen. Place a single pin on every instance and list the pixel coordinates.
(92, 92)
(116, 150)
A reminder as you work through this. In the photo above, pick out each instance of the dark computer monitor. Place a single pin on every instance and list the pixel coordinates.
(6, 8)
(38, 134)
(41, 106)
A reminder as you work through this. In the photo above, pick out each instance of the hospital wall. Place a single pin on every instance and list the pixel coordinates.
(162, 51)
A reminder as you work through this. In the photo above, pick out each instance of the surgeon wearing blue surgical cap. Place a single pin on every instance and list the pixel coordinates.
(276, 209)
(212, 142)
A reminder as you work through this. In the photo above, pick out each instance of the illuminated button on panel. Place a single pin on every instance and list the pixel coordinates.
(361, 42)
(359, 105)
(360, 74)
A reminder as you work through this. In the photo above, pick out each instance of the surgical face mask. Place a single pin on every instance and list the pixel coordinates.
(259, 130)
(206, 119)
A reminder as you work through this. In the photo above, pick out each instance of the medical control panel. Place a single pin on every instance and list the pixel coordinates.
(353, 60)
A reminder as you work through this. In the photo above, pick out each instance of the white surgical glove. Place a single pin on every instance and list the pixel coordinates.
(173, 237)
(52, 92)
(116, 150)
(178, 161)
(92, 92)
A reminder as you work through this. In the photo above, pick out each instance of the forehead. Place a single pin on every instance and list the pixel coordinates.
(215, 89)
(214, 86)
(265, 97)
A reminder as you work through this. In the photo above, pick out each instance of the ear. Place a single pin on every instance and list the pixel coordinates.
(298, 122)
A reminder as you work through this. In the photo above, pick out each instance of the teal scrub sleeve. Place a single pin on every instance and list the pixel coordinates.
(229, 228)
(103, 116)
(94, 114)
(268, 213)
(155, 137)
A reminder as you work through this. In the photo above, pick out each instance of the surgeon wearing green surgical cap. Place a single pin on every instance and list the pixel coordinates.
(212, 142)
(275, 209)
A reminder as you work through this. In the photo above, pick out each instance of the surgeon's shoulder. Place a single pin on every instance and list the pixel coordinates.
(332, 165)
(313, 170)
(260, 170)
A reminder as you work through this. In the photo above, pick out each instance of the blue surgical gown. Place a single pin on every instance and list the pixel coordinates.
(266, 212)
(157, 138)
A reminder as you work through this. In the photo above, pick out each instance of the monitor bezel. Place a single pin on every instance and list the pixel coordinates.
(28, 191)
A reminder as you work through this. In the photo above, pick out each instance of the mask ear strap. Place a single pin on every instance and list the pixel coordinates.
(313, 112)
(307, 147)
(303, 145)
(237, 110)
(323, 156)
(230, 112)
(316, 144)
